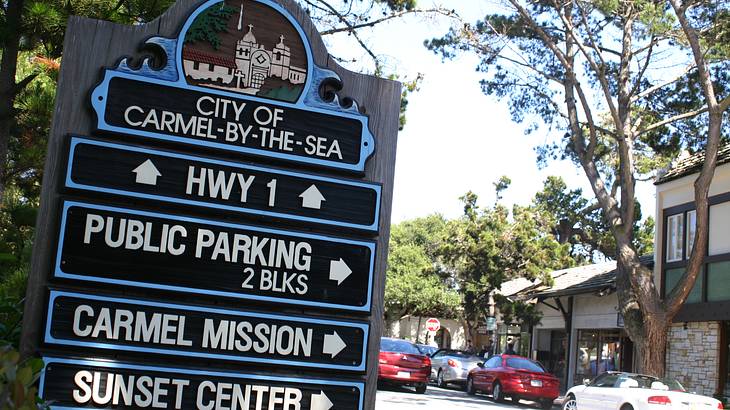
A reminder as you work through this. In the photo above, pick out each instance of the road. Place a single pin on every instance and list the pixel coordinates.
(395, 398)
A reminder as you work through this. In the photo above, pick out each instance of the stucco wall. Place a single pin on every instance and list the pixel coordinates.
(593, 312)
(681, 192)
(408, 328)
(693, 356)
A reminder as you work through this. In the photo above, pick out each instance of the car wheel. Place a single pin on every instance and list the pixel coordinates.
(627, 407)
(546, 404)
(470, 389)
(497, 393)
(570, 403)
(421, 388)
(440, 382)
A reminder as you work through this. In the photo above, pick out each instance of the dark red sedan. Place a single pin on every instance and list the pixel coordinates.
(400, 362)
(515, 377)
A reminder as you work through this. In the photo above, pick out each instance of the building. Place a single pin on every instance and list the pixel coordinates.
(581, 332)
(698, 351)
(413, 328)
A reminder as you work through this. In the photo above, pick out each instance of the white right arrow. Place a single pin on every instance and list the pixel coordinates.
(320, 402)
(333, 344)
(339, 271)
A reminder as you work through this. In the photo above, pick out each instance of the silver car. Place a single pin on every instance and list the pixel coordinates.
(452, 366)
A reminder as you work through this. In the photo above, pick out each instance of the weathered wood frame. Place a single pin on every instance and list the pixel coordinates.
(91, 45)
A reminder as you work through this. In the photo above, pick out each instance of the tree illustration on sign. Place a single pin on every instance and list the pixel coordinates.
(208, 24)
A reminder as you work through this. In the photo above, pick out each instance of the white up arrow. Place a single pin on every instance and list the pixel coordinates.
(339, 271)
(333, 344)
(320, 402)
(312, 198)
(147, 173)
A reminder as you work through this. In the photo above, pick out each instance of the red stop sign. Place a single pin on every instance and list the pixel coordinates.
(433, 325)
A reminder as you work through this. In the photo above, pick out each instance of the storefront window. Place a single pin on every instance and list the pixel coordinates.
(718, 282)
(672, 277)
(598, 351)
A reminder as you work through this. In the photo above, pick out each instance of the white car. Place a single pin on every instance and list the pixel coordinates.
(629, 391)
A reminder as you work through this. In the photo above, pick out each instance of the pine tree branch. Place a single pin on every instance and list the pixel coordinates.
(372, 23)
(671, 120)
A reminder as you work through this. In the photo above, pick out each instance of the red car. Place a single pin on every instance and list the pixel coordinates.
(515, 377)
(400, 362)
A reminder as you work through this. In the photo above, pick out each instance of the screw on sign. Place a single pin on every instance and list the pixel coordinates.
(433, 325)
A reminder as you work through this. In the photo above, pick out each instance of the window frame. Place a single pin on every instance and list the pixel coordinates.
(685, 209)
(681, 217)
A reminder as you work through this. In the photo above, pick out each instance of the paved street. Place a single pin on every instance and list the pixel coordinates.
(395, 398)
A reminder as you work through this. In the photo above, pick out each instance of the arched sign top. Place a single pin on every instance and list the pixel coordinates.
(250, 47)
(240, 77)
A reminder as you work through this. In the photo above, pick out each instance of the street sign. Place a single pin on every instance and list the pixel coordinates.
(178, 178)
(491, 323)
(182, 229)
(154, 250)
(74, 384)
(135, 325)
(131, 104)
(433, 325)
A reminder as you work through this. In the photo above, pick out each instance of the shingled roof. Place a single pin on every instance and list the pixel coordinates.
(581, 280)
(692, 165)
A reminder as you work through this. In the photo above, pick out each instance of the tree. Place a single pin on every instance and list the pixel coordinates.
(579, 222)
(413, 284)
(489, 246)
(595, 71)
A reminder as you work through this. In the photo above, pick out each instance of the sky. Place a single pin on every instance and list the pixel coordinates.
(457, 139)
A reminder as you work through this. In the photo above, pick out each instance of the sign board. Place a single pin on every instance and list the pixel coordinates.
(211, 172)
(433, 325)
(113, 245)
(69, 384)
(183, 179)
(121, 324)
(491, 323)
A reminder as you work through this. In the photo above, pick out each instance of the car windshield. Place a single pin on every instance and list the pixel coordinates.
(524, 364)
(648, 382)
(400, 346)
(427, 350)
(461, 355)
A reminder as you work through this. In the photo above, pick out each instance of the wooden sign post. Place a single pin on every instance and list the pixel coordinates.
(213, 229)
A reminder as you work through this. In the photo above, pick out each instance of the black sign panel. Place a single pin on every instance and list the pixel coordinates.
(154, 250)
(76, 384)
(135, 105)
(183, 330)
(178, 178)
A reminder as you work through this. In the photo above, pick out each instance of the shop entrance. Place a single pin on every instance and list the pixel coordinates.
(600, 351)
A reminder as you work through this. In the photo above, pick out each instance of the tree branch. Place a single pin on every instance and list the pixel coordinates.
(372, 23)
(673, 119)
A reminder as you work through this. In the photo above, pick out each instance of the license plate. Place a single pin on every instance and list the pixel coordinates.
(403, 375)
(536, 383)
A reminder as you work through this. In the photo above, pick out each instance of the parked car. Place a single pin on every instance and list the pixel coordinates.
(630, 391)
(400, 362)
(426, 349)
(515, 377)
(452, 366)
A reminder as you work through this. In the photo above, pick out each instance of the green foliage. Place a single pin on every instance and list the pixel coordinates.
(18, 379)
(413, 283)
(579, 222)
(517, 311)
(489, 246)
(209, 23)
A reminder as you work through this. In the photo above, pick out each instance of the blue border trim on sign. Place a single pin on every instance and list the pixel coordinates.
(104, 345)
(373, 227)
(173, 370)
(58, 271)
(99, 98)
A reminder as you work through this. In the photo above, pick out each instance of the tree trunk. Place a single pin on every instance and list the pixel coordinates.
(653, 346)
(8, 87)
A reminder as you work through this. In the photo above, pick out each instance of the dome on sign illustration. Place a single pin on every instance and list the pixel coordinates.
(247, 47)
